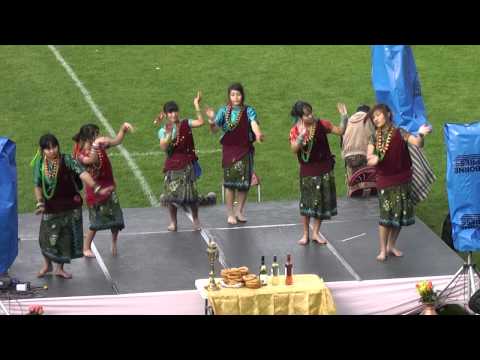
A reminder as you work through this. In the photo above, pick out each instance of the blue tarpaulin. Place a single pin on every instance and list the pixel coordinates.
(463, 183)
(396, 84)
(8, 205)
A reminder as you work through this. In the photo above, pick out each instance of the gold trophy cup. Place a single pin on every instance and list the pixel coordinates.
(212, 251)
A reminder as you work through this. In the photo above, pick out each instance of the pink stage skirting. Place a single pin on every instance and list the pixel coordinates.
(367, 297)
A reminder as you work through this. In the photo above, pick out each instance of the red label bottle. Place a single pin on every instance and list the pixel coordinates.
(289, 271)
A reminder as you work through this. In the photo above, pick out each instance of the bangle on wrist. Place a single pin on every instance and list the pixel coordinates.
(40, 204)
(97, 189)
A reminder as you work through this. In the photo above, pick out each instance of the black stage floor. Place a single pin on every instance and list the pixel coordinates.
(153, 259)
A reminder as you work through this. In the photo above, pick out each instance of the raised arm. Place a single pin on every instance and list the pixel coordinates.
(419, 139)
(196, 102)
(106, 141)
(340, 129)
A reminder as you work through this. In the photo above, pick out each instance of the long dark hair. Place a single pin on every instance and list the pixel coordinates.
(87, 132)
(385, 110)
(238, 87)
(48, 141)
(170, 106)
(298, 109)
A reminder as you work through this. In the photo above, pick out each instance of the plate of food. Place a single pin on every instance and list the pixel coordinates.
(231, 285)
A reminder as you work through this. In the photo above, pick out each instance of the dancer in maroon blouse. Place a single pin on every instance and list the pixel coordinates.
(308, 140)
(181, 165)
(388, 151)
(240, 129)
(104, 212)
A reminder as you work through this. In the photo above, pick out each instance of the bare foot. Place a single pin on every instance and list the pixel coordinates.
(303, 240)
(241, 218)
(44, 270)
(232, 220)
(319, 238)
(395, 252)
(172, 227)
(88, 253)
(382, 256)
(63, 274)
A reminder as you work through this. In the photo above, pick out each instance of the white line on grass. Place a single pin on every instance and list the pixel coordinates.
(161, 153)
(88, 98)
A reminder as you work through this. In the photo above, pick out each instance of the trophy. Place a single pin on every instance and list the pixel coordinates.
(212, 252)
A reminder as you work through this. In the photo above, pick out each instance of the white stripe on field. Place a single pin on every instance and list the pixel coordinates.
(161, 153)
(354, 237)
(342, 260)
(104, 268)
(88, 98)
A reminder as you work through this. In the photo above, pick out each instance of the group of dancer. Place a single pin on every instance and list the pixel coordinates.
(59, 177)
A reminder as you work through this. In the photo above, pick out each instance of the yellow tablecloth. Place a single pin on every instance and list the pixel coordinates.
(307, 296)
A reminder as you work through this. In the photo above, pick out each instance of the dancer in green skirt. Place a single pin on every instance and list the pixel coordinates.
(308, 140)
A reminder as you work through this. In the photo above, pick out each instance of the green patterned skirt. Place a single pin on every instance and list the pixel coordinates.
(318, 196)
(239, 175)
(61, 236)
(396, 206)
(180, 187)
(107, 215)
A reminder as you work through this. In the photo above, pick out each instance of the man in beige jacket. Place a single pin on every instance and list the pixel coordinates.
(355, 139)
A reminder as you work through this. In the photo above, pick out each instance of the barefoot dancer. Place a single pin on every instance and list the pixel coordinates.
(387, 150)
(308, 139)
(59, 201)
(240, 129)
(181, 165)
(104, 211)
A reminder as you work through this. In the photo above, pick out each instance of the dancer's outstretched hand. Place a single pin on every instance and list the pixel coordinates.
(197, 99)
(158, 120)
(342, 109)
(210, 113)
(126, 127)
(425, 129)
(106, 190)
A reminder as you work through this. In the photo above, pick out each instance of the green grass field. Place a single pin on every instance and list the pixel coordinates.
(37, 95)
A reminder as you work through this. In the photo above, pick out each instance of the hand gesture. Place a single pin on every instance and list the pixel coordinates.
(158, 120)
(372, 160)
(342, 109)
(106, 190)
(425, 129)
(126, 127)
(302, 130)
(210, 113)
(169, 128)
(196, 101)
(260, 137)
